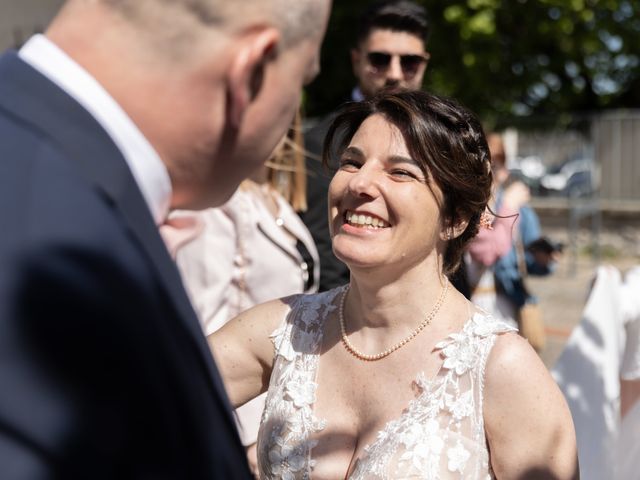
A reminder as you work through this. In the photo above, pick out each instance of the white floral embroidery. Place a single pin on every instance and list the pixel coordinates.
(424, 457)
(461, 406)
(423, 445)
(441, 428)
(480, 327)
(305, 341)
(285, 461)
(283, 347)
(301, 390)
(461, 355)
(458, 457)
(309, 317)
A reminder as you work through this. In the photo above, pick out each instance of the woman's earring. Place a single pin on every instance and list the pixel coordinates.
(486, 221)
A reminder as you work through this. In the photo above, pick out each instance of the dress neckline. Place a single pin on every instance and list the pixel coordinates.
(290, 415)
(421, 381)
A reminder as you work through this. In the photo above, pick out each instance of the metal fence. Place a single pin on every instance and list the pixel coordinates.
(608, 200)
(617, 150)
(609, 144)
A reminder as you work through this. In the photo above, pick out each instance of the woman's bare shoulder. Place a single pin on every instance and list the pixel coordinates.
(525, 411)
(263, 318)
(514, 364)
(512, 349)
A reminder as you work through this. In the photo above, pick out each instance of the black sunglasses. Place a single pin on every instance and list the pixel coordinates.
(409, 63)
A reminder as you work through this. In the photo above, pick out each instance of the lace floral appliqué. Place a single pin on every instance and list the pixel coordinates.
(440, 435)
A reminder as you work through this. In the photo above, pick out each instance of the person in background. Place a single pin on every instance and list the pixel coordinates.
(252, 249)
(390, 52)
(598, 371)
(537, 261)
(492, 265)
(120, 112)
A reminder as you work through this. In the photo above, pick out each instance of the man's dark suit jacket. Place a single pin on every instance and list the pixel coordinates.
(104, 370)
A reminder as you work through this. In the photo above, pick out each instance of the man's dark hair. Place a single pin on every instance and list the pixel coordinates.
(395, 15)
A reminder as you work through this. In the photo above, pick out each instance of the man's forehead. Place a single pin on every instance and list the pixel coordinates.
(393, 41)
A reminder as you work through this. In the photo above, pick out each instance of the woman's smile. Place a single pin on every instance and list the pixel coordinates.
(364, 220)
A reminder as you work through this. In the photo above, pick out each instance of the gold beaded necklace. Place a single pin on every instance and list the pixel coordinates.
(371, 358)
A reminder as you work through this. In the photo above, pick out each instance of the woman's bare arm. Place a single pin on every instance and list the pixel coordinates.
(244, 352)
(527, 420)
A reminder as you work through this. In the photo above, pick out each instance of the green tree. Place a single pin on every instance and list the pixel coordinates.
(510, 59)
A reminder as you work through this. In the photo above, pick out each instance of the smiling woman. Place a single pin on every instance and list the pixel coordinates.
(397, 375)
(395, 139)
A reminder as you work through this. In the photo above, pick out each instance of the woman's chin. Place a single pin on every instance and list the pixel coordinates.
(356, 260)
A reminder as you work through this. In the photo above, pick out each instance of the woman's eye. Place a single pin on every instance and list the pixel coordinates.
(403, 174)
(349, 163)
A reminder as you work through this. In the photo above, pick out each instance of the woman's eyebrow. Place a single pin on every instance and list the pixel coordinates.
(353, 151)
(401, 159)
(394, 159)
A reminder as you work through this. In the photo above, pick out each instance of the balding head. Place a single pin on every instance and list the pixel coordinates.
(296, 20)
(212, 84)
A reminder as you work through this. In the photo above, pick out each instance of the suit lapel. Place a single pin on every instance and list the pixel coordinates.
(29, 96)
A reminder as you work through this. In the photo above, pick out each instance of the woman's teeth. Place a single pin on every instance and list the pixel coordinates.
(365, 220)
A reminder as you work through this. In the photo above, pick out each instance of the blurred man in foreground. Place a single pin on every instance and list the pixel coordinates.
(122, 111)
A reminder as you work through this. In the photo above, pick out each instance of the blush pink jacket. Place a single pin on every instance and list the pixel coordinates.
(489, 245)
(244, 256)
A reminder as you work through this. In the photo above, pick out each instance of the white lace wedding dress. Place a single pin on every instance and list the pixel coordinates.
(440, 435)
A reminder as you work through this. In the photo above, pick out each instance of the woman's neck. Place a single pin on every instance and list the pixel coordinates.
(376, 301)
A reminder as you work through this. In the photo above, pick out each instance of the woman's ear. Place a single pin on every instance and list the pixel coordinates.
(451, 231)
(247, 69)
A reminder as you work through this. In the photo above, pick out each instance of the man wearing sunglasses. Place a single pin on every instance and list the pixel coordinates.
(391, 48)
(389, 52)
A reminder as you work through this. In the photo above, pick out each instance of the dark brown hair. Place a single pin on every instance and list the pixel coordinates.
(396, 15)
(448, 143)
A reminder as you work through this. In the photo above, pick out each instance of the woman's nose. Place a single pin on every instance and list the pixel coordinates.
(364, 182)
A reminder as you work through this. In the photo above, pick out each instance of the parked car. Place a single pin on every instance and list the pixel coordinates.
(529, 170)
(572, 177)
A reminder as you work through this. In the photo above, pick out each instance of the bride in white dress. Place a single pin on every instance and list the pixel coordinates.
(397, 375)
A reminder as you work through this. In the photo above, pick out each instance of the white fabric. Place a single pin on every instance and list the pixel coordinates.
(628, 450)
(485, 296)
(627, 460)
(601, 348)
(357, 95)
(630, 298)
(440, 435)
(146, 166)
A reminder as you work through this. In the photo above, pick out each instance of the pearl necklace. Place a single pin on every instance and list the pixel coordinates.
(371, 358)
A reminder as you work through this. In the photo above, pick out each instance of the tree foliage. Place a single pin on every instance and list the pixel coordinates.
(510, 59)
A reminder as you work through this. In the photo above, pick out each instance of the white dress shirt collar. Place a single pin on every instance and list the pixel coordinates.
(357, 95)
(144, 162)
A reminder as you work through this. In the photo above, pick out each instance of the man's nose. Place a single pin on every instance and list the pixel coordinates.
(394, 73)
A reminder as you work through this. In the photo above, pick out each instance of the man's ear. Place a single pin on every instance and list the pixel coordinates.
(355, 59)
(246, 72)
